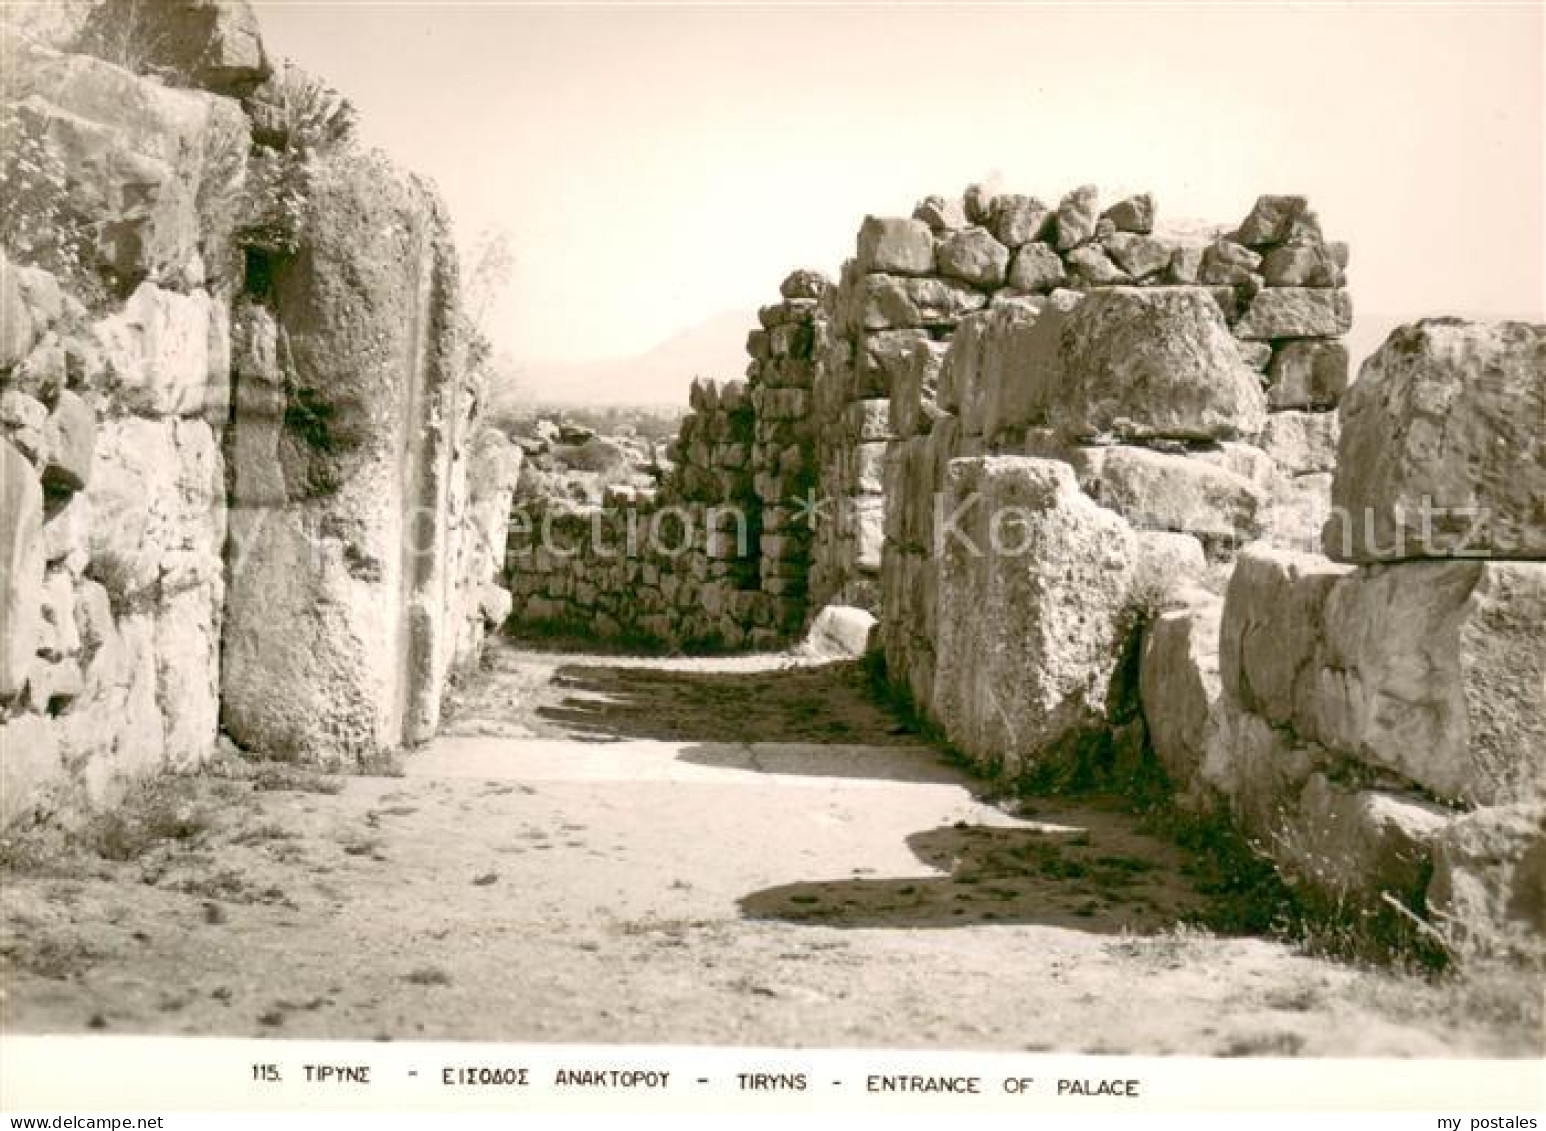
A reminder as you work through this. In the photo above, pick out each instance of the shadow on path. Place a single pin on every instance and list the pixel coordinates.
(826, 704)
(1093, 874)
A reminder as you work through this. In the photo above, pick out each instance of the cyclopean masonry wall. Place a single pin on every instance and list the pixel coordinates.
(914, 284)
(1074, 479)
(131, 302)
(1377, 716)
(717, 557)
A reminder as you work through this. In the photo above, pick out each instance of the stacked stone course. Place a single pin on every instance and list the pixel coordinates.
(717, 557)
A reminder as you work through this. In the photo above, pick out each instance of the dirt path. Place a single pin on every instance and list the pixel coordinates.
(615, 850)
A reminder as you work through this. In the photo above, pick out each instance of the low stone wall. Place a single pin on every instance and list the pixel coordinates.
(717, 557)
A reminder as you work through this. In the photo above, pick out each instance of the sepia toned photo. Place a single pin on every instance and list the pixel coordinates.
(940, 528)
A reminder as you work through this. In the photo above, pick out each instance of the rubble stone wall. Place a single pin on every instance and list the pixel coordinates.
(717, 557)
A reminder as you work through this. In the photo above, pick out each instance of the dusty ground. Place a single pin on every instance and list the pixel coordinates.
(618, 850)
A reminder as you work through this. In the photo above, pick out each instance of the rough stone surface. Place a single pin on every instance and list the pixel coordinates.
(215, 43)
(1076, 217)
(1489, 880)
(895, 247)
(1144, 363)
(1302, 443)
(1019, 219)
(1361, 842)
(1134, 214)
(1276, 219)
(1027, 639)
(1442, 452)
(1036, 268)
(70, 436)
(1162, 491)
(1297, 312)
(1307, 374)
(974, 257)
(21, 553)
(336, 635)
(1179, 687)
(16, 333)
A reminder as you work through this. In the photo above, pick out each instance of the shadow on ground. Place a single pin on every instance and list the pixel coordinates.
(826, 704)
(1090, 872)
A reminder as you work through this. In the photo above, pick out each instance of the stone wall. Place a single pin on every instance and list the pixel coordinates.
(717, 557)
(1378, 716)
(167, 545)
(984, 266)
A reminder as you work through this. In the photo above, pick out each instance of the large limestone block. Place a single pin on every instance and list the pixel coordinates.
(157, 492)
(1032, 584)
(1163, 491)
(21, 557)
(1270, 635)
(1016, 367)
(153, 168)
(895, 247)
(1018, 220)
(158, 352)
(1297, 312)
(892, 302)
(1276, 219)
(1437, 670)
(70, 437)
(881, 359)
(1077, 215)
(1154, 362)
(1443, 449)
(337, 633)
(974, 257)
(1489, 879)
(215, 44)
(1180, 689)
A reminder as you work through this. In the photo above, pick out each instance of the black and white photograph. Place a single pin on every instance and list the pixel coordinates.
(936, 556)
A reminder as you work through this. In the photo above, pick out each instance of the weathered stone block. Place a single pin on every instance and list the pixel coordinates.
(1307, 374)
(895, 247)
(1443, 453)
(1153, 362)
(70, 437)
(21, 553)
(1179, 687)
(890, 302)
(1018, 220)
(1489, 878)
(1162, 491)
(974, 257)
(1036, 268)
(1077, 215)
(1297, 312)
(1033, 576)
(1302, 443)
(1276, 219)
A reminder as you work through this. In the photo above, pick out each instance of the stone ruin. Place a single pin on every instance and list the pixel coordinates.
(246, 487)
(1113, 498)
(1105, 484)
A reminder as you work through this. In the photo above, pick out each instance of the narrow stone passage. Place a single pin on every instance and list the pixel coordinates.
(610, 849)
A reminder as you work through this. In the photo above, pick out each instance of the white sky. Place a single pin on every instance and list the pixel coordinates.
(657, 165)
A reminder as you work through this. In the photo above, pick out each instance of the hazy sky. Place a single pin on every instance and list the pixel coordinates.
(657, 165)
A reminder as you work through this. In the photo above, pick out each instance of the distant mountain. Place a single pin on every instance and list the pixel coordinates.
(713, 348)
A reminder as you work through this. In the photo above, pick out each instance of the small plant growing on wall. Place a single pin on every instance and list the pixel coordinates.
(307, 120)
(40, 223)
